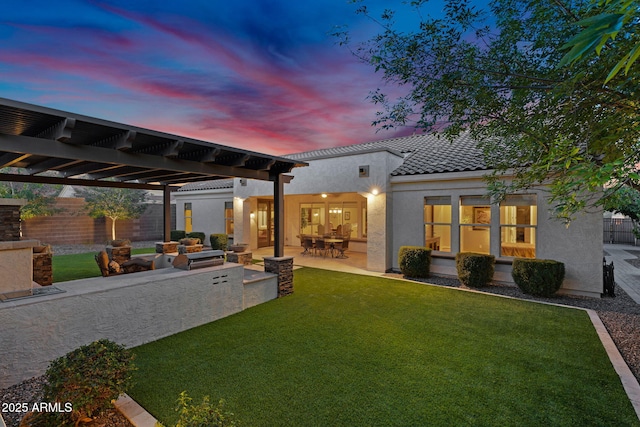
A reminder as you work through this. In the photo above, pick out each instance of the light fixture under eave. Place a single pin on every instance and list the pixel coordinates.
(323, 195)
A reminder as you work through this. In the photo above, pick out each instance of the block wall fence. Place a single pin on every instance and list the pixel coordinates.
(71, 225)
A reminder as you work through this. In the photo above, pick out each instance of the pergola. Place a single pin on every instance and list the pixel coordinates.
(56, 147)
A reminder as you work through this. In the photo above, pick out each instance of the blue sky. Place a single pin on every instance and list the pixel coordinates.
(260, 75)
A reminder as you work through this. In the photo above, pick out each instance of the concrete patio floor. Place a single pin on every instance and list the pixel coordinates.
(355, 263)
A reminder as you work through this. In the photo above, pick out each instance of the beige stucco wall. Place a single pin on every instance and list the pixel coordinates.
(579, 246)
(207, 209)
(129, 309)
(16, 265)
(338, 177)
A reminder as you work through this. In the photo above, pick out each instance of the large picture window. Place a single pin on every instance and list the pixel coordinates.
(335, 218)
(343, 219)
(312, 219)
(475, 224)
(518, 224)
(437, 223)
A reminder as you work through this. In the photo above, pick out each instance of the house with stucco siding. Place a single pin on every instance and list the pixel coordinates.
(416, 190)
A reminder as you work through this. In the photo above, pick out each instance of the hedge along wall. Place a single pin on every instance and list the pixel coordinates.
(73, 226)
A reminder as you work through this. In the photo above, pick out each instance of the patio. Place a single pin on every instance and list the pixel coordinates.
(355, 263)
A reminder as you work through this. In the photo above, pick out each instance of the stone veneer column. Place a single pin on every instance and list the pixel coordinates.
(43, 269)
(283, 267)
(10, 220)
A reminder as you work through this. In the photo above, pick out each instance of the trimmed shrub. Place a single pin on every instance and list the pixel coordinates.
(414, 261)
(88, 378)
(219, 241)
(176, 235)
(539, 277)
(196, 235)
(204, 414)
(475, 270)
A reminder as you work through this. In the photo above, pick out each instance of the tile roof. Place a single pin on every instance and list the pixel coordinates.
(208, 185)
(424, 153)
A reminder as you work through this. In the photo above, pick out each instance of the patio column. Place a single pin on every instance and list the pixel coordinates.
(166, 212)
(278, 206)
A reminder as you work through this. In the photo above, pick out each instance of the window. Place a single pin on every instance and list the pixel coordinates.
(228, 217)
(312, 219)
(475, 224)
(518, 224)
(188, 214)
(437, 223)
(343, 218)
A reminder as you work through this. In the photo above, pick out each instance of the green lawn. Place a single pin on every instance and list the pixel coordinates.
(81, 266)
(349, 350)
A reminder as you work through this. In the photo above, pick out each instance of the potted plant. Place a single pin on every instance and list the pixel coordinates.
(239, 247)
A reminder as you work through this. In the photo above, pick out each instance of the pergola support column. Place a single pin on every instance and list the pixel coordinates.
(278, 205)
(166, 212)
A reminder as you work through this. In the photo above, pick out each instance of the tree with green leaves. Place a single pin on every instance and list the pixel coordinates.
(115, 204)
(497, 73)
(627, 202)
(40, 198)
(600, 31)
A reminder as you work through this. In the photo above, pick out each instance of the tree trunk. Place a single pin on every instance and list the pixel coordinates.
(113, 228)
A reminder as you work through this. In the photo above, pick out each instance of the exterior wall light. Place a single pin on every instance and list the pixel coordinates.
(323, 195)
(375, 191)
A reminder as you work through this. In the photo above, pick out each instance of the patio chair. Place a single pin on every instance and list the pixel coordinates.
(307, 244)
(342, 248)
(321, 247)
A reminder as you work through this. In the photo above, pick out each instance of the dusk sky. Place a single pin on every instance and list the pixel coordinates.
(260, 75)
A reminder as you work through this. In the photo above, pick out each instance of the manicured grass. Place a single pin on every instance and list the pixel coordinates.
(81, 266)
(349, 350)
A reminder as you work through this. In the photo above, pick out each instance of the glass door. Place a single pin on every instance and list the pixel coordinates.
(265, 223)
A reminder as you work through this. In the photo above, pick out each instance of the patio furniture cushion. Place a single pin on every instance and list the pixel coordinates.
(114, 267)
(103, 263)
(135, 265)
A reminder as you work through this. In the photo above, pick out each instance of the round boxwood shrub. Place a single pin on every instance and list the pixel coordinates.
(219, 241)
(475, 270)
(414, 261)
(539, 277)
(87, 379)
(176, 235)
